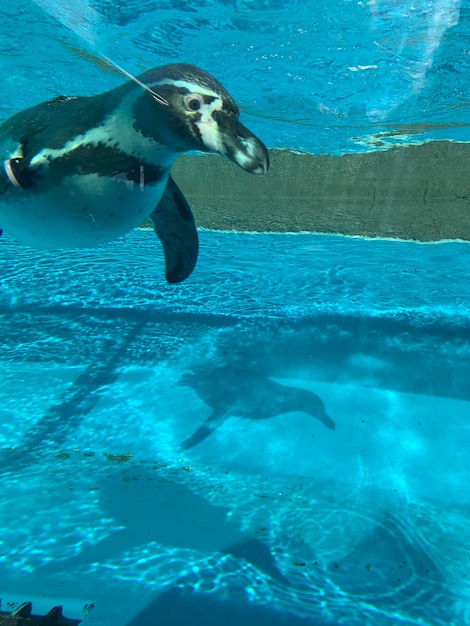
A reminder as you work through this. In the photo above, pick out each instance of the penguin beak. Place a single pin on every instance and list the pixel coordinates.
(237, 143)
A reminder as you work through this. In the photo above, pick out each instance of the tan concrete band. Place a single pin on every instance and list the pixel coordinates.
(417, 192)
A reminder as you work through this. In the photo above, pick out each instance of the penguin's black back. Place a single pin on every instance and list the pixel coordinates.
(53, 123)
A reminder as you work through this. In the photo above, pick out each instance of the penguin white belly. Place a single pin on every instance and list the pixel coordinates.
(84, 212)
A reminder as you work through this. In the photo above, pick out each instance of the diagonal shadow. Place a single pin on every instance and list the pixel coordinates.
(61, 419)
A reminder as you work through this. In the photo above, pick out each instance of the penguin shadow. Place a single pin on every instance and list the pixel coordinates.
(174, 606)
(246, 391)
(388, 570)
(152, 509)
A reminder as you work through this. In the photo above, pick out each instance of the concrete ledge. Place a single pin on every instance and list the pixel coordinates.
(417, 192)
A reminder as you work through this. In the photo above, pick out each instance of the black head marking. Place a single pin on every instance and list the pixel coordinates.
(190, 74)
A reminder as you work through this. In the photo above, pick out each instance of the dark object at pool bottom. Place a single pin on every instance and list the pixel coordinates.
(22, 616)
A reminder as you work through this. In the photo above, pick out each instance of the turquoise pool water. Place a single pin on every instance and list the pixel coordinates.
(317, 76)
(284, 438)
(108, 498)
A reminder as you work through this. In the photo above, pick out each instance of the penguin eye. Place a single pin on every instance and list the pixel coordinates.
(193, 103)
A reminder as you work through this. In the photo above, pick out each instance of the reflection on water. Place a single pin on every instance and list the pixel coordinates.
(328, 59)
(244, 390)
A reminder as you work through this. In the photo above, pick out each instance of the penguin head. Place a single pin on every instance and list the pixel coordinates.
(199, 114)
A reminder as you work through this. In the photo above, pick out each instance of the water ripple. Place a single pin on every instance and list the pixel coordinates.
(243, 276)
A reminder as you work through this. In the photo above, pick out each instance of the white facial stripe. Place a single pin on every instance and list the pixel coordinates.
(118, 127)
(208, 127)
(211, 136)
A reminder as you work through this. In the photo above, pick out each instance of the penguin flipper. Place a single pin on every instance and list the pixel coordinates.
(199, 435)
(174, 225)
(210, 425)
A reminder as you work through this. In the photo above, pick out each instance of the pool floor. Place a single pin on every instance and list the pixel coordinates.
(225, 453)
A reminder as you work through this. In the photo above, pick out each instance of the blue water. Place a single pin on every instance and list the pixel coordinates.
(284, 438)
(324, 77)
(274, 517)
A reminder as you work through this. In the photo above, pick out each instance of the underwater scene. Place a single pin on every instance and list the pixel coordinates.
(238, 394)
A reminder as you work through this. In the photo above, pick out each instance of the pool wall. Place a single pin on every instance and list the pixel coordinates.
(418, 192)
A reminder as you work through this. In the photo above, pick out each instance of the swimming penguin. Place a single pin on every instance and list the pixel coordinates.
(80, 171)
(247, 392)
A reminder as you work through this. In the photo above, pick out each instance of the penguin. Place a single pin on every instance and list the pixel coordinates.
(81, 171)
(249, 392)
